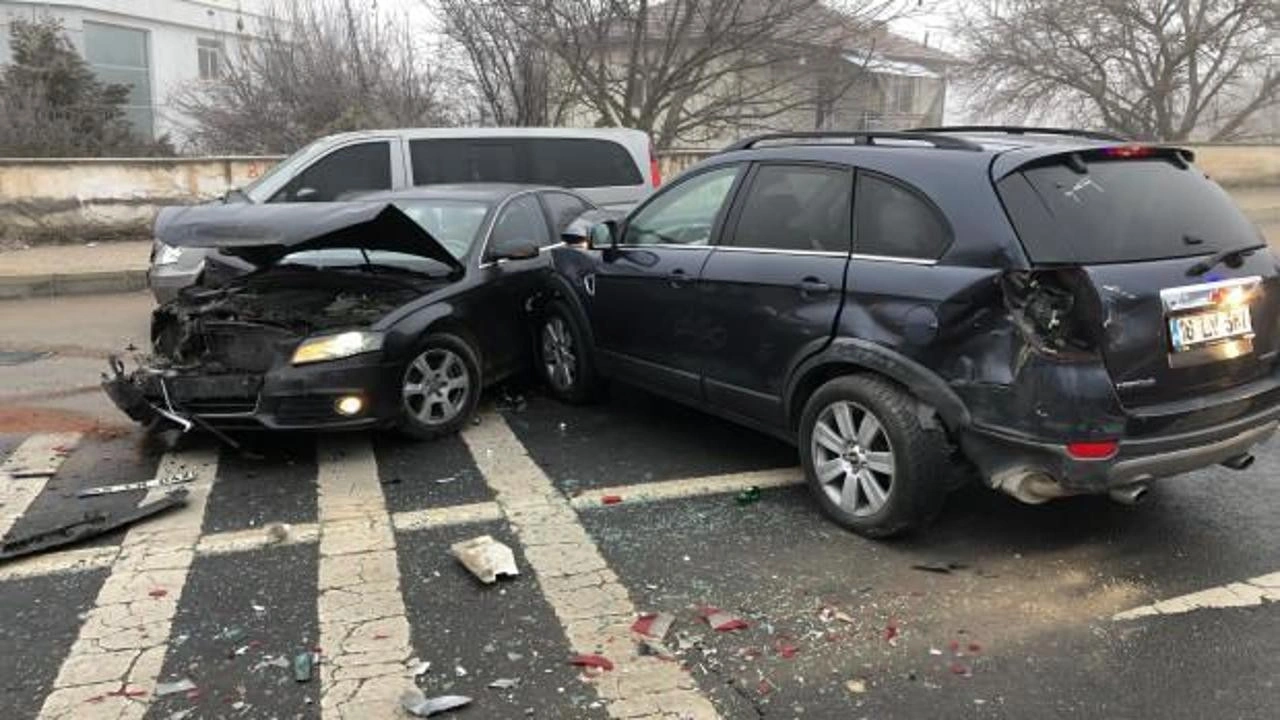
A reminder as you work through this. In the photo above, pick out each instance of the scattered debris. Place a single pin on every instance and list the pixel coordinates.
(592, 661)
(460, 671)
(175, 479)
(419, 705)
(934, 651)
(486, 558)
(748, 495)
(891, 632)
(230, 634)
(445, 480)
(278, 532)
(389, 480)
(786, 650)
(175, 687)
(961, 670)
(125, 692)
(303, 663)
(722, 621)
(975, 648)
(281, 662)
(504, 683)
(515, 656)
(91, 525)
(418, 668)
(857, 686)
(610, 499)
(648, 648)
(940, 568)
(654, 625)
(158, 593)
(31, 473)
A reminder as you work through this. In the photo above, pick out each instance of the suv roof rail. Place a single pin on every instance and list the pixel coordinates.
(1024, 130)
(861, 137)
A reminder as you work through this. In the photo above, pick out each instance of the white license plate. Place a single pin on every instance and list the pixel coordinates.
(1197, 329)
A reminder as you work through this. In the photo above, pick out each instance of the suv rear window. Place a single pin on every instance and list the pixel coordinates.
(1125, 210)
(567, 162)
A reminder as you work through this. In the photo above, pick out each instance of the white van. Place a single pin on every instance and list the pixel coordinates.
(614, 168)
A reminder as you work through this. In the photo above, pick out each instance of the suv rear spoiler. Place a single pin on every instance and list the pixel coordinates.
(1077, 157)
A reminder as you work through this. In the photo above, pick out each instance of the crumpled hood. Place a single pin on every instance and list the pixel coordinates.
(262, 234)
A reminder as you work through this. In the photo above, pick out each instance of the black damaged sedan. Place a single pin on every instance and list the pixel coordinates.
(393, 311)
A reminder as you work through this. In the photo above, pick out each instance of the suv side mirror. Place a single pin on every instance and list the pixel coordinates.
(604, 235)
(514, 250)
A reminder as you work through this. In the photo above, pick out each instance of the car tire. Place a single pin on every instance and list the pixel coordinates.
(439, 387)
(890, 476)
(564, 356)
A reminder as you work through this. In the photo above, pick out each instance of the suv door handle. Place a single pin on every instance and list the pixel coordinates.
(813, 286)
(677, 277)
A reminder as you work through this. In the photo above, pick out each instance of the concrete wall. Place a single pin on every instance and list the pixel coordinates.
(83, 200)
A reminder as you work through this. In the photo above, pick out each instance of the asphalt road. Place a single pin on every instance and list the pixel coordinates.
(1022, 625)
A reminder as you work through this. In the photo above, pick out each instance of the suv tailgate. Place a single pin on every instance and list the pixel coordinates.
(1189, 295)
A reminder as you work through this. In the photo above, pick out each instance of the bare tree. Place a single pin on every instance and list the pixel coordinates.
(314, 68)
(692, 70)
(1151, 69)
(507, 69)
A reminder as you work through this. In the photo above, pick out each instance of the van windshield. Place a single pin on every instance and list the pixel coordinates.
(1123, 210)
(286, 166)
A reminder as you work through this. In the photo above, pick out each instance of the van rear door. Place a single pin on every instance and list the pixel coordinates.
(1184, 296)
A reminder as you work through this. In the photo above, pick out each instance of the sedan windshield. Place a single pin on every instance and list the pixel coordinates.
(454, 223)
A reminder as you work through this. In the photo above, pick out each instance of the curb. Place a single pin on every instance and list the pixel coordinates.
(16, 287)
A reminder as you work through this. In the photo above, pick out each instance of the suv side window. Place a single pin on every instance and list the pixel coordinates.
(684, 214)
(895, 222)
(521, 221)
(563, 208)
(796, 207)
(366, 166)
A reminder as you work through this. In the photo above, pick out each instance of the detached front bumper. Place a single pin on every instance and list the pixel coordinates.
(284, 398)
(1009, 460)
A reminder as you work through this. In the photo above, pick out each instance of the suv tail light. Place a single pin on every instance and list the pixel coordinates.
(655, 172)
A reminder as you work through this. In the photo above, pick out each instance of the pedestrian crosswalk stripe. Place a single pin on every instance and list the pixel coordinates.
(122, 642)
(448, 515)
(43, 452)
(690, 487)
(593, 607)
(364, 632)
(1254, 591)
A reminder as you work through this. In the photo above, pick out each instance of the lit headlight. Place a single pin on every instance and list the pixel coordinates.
(166, 254)
(333, 347)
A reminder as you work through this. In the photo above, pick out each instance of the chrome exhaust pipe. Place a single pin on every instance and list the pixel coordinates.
(1129, 494)
(1239, 462)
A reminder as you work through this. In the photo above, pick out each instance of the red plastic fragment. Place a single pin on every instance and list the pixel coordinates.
(611, 499)
(958, 669)
(787, 650)
(955, 646)
(158, 593)
(975, 648)
(654, 625)
(380, 636)
(764, 687)
(594, 661)
(891, 631)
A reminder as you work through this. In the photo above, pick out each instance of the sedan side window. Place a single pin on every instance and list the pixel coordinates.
(520, 223)
(564, 209)
(796, 207)
(684, 214)
(354, 168)
(894, 222)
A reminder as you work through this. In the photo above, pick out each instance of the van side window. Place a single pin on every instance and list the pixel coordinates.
(796, 207)
(894, 222)
(567, 162)
(354, 168)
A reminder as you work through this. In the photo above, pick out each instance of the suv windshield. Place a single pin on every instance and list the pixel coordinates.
(1126, 210)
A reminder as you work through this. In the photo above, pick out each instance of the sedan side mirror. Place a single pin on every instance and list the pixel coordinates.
(604, 235)
(306, 194)
(515, 250)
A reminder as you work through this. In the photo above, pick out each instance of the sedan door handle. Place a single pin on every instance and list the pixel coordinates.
(812, 286)
(677, 277)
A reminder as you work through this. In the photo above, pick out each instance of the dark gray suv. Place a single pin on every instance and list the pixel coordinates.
(1063, 312)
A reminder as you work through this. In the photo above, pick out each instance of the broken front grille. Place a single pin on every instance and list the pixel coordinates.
(245, 347)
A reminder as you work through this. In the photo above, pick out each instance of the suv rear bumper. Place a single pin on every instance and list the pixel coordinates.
(1003, 456)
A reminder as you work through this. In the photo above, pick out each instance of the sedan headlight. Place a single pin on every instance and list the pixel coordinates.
(333, 347)
(166, 254)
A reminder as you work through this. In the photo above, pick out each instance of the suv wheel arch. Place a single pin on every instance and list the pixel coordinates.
(852, 355)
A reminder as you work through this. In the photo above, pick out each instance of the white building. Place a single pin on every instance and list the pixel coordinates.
(155, 46)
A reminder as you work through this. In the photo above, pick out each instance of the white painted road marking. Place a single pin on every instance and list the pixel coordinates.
(38, 452)
(363, 629)
(691, 487)
(1254, 591)
(122, 643)
(591, 604)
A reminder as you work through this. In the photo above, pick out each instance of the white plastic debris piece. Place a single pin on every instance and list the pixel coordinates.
(460, 671)
(486, 558)
(857, 686)
(419, 705)
(418, 668)
(504, 683)
(175, 687)
(278, 532)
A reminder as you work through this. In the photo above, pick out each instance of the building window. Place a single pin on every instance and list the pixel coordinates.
(902, 94)
(119, 56)
(210, 53)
